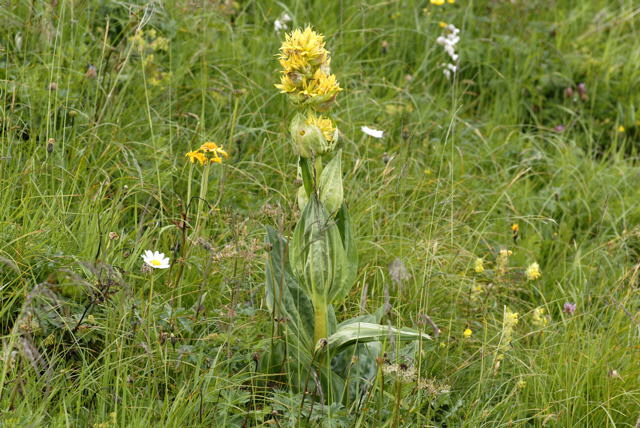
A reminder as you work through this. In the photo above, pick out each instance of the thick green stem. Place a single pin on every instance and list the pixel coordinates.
(320, 321)
(307, 175)
(317, 168)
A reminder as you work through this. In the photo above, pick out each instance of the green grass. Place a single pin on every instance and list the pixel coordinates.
(81, 157)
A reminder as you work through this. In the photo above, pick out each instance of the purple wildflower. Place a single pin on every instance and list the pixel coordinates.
(569, 308)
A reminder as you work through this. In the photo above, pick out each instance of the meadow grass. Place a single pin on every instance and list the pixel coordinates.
(95, 122)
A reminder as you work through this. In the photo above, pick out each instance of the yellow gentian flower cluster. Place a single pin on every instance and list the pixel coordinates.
(209, 152)
(307, 79)
(306, 75)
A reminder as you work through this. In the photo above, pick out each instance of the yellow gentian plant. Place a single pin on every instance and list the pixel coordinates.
(316, 269)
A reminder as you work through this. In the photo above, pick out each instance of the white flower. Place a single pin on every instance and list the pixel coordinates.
(281, 23)
(452, 28)
(372, 132)
(448, 43)
(156, 259)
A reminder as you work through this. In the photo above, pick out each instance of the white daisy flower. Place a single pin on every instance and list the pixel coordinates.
(156, 259)
(372, 132)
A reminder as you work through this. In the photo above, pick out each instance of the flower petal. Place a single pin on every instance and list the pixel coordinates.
(372, 132)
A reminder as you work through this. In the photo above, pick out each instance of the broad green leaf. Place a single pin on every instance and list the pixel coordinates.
(357, 366)
(316, 252)
(284, 292)
(362, 332)
(330, 184)
(349, 262)
(302, 198)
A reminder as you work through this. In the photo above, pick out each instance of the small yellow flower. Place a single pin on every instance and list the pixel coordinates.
(533, 272)
(208, 152)
(621, 129)
(289, 83)
(196, 156)
(442, 24)
(437, 2)
(451, 1)
(321, 84)
(467, 333)
(515, 228)
(209, 146)
(479, 265)
(214, 149)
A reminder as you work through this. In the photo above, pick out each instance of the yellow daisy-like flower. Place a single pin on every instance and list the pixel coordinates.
(325, 125)
(442, 24)
(621, 129)
(196, 156)
(533, 272)
(467, 333)
(214, 149)
(437, 2)
(208, 152)
(209, 146)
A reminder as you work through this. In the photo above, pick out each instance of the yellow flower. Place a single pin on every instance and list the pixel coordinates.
(288, 84)
(510, 319)
(503, 259)
(306, 45)
(208, 152)
(533, 272)
(515, 228)
(467, 333)
(451, 1)
(210, 147)
(437, 2)
(442, 24)
(479, 265)
(620, 128)
(321, 84)
(325, 125)
(306, 64)
(196, 156)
